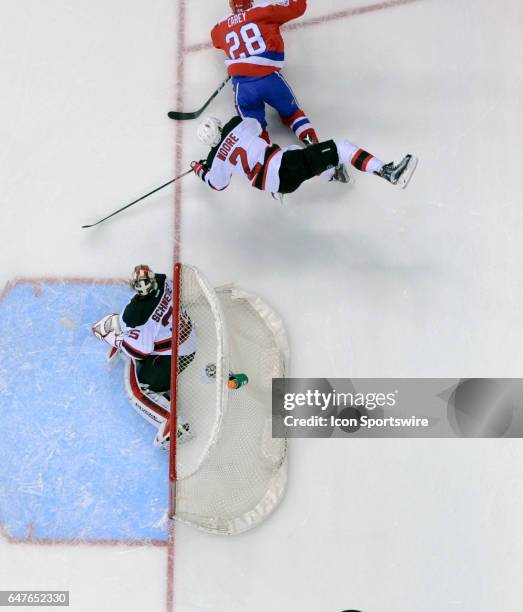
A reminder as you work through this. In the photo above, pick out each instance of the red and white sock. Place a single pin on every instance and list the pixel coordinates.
(359, 158)
(300, 124)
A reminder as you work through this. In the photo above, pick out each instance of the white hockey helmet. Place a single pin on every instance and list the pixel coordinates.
(143, 280)
(210, 131)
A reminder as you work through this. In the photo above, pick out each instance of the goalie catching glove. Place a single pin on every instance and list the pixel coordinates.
(108, 330)
(200, 168)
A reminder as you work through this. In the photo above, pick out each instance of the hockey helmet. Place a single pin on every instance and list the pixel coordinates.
(237, 6)
(210, 131)
(143, 280)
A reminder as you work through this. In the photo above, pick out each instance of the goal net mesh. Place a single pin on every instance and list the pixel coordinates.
(231, 474)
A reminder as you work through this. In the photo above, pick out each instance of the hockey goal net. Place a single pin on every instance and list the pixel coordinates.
(230, 473)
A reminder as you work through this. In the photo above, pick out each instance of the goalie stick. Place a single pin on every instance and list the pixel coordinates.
(138, 200)
(182, 116)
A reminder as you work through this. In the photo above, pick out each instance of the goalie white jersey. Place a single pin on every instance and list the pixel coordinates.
(243, 152)
(146, 325)
(143, 332)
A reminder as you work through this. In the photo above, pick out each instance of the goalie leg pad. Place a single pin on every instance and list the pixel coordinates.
(153, 407)
(112, 355)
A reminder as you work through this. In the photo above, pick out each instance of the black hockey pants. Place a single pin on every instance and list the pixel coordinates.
(155, 371)
(300, 165)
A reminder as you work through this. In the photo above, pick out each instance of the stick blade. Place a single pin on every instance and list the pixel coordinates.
(177, 116)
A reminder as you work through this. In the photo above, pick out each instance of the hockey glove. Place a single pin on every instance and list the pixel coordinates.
(108, 330)
(200, 168)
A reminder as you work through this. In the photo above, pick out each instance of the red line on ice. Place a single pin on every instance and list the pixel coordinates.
(180, 78)
(182, 50)
(31, 540)
(37, 283)
(178, 196)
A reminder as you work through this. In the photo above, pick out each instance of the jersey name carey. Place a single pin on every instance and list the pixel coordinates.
(236, 19)
(164, 306)
(226, 147)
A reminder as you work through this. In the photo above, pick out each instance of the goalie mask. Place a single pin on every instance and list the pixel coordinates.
(237, 6)
(210, 131)
(143, 280)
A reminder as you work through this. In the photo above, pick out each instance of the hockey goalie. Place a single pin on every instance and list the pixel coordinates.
(230, 472)
(142, 334)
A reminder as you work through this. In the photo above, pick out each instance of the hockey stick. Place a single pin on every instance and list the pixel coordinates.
(138, 200)
(182, 116)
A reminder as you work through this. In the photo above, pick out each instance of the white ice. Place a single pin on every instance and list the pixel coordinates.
(370, 281)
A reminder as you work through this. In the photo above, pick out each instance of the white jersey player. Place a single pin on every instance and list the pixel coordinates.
(143, 333)
(238, 148)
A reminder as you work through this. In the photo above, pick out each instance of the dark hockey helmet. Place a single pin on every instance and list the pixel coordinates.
(237, 6)
(143, 280)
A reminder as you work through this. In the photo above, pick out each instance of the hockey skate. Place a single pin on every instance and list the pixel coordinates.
(184, 433)
(401, 173)
(308, 140)
(342, 175)
(278, 196)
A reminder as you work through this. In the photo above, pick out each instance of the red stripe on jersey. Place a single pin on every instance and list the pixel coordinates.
(266, 169)
(133, 351)
(251, 70)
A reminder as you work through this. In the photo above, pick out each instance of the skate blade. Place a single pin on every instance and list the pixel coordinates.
(342, 175)
(352, 178)
(404, 179)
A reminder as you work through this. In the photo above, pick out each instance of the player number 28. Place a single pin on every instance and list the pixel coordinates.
(252, 40)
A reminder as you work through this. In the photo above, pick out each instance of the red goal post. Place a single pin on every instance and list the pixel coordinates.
(174, 386)
(230, 474)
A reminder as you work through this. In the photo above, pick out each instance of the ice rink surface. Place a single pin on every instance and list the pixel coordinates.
(370, 281)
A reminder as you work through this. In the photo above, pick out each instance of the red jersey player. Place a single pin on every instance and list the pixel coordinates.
(250, 37)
